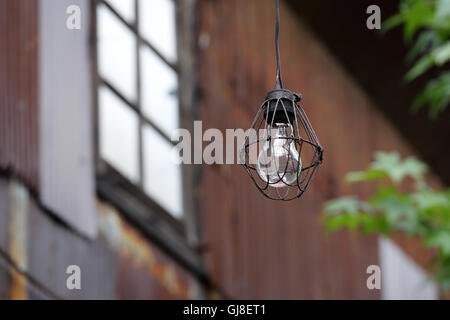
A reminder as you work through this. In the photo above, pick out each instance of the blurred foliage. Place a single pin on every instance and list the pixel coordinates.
(424, 212)
(426, 25)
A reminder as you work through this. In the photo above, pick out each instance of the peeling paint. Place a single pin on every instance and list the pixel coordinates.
(17, 238)
(18, 289)
(132, 246)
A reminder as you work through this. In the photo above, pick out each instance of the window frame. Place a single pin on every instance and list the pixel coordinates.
(177, 236)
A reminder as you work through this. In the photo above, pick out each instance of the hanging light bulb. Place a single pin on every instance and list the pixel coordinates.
(291, 153)
(279, 162)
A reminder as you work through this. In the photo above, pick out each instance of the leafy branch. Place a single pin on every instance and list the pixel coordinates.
(424, 212)
(427, 24)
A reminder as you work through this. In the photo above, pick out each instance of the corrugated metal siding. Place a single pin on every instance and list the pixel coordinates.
(260, 248)
(18, 89)
(120, 264)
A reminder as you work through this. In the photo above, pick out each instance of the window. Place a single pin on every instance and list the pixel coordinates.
(138, 105)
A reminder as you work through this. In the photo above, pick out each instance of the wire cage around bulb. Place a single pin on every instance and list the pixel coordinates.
(281, 152)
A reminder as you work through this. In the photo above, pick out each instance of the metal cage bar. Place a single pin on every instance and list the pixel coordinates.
(282, 104)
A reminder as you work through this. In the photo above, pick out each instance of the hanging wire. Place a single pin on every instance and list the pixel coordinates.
(279, 82)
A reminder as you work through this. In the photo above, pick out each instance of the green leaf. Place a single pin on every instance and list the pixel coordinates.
(437, 57)
(427, 40)
(417, 14)
(374, 223)
(441, 240)
(397, 170)
(346, 204)
(420, 67)
(347, 220)
(413, 168)
(443, 11)
(436, 94)
(392, 22)
(432, 200)
(368, 175)
(441, 54)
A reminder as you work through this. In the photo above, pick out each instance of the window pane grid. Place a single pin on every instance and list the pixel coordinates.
(136, 105)
(136, 109)
(140, 38)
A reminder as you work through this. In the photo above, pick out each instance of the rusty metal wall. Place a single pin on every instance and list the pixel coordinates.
(18, 89)
(258, 248)
(120, 264)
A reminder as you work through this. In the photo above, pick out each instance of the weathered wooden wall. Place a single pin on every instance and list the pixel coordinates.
(264, 249)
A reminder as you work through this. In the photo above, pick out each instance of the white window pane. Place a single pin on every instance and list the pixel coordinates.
(116, 53)
(118, 134)
(125, 8)
(157, 19)
(162, 179)
(159, 91)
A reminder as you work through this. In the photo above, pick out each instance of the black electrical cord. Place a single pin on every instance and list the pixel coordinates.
(279, 82)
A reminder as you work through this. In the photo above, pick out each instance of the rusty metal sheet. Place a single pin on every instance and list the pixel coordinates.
(260, 248)
(52, 248)
(145, 272)
(18, 199)
(120, 264)
(18, 89)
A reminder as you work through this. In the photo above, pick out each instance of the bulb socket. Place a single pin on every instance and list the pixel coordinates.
(276, 100)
